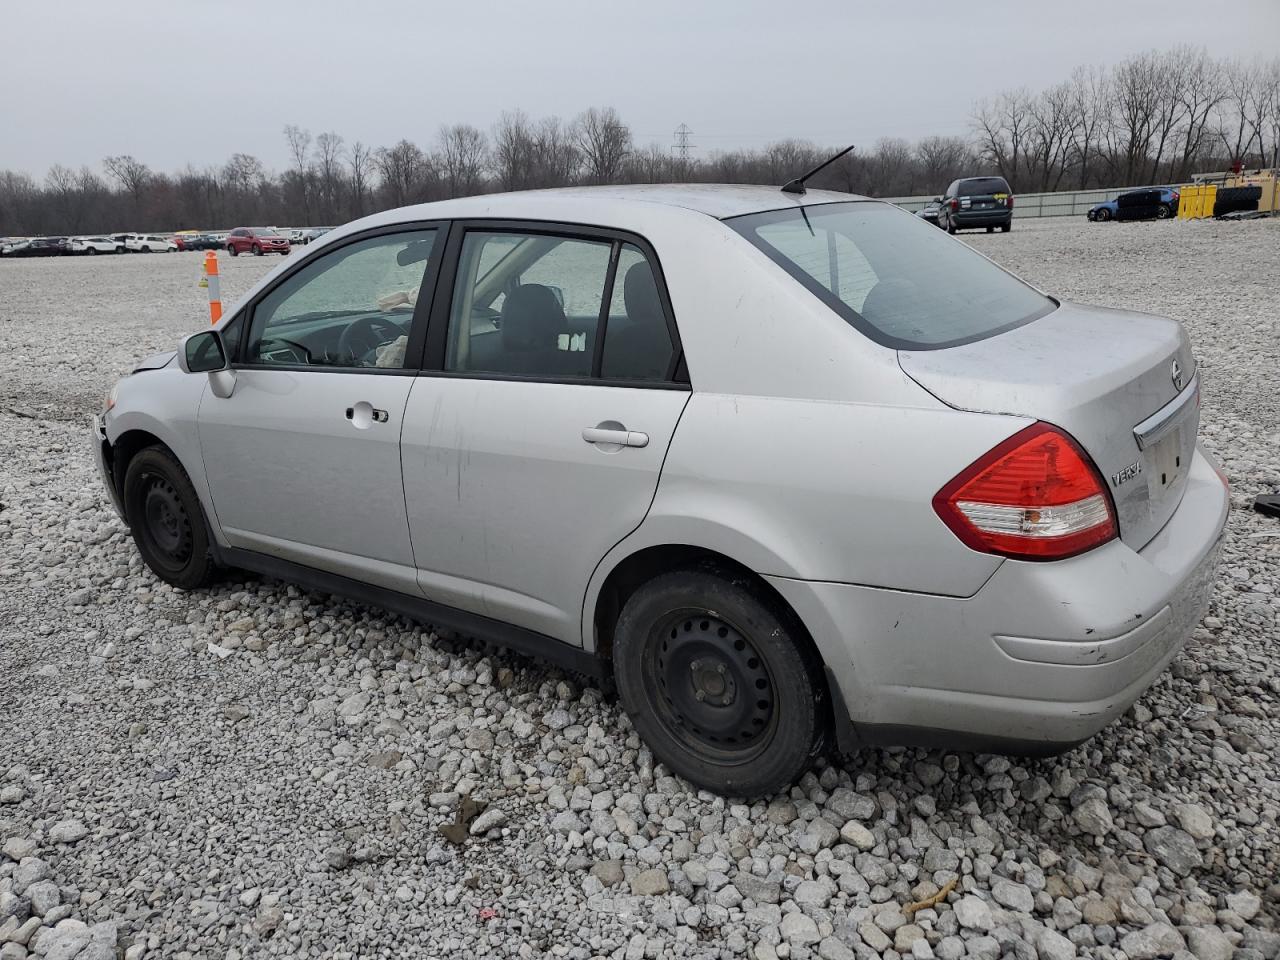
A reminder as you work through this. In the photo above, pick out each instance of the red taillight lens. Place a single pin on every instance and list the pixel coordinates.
(1008, 201)
(1035, 496)
(955, 204)
(1175, 194)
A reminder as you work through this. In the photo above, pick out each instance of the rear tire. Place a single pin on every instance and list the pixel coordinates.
(232, 250)
(166, 519)
(1163, 212)
(1006, 227)
(92, 251)
(718, 683)
(993, 229)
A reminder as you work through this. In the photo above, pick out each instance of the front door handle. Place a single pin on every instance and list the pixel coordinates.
(365, 413)
(622, 438)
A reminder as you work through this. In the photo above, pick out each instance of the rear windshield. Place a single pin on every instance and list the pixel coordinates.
(897, 278)
(981, 187)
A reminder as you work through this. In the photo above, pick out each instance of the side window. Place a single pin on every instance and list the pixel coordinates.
(527, 304)
(637, 342)
(231, 337)
(349, 308)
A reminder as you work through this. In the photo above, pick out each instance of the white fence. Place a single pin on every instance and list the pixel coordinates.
(1070, 203)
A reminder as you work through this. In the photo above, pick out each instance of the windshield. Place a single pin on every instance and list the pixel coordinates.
(896, 278)
(264, 232)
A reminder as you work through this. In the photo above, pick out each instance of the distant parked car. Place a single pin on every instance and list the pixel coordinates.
(93, 245)
(257, 240)
(307, 234)
(930, 211)
(976, 202)
(1163, 209)
(13, 246)
(38, 247)
(149, 243)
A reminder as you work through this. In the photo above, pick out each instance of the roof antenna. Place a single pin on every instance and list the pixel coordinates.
(796, 186)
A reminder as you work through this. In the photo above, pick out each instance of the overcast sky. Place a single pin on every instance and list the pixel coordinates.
(192, 82)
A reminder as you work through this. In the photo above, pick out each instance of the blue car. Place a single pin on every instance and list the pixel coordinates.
(1166, 207)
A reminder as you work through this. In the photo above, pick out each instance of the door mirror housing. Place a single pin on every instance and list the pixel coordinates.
(202, 352)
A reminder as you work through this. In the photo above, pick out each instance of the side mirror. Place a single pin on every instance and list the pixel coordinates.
(202, 353)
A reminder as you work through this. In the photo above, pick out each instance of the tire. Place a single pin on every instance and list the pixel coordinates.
(950, 226)
(257, 250)
(166, 519)
(121, 250)
(146, 249)
(1104, 215)
(232, 250)
(1006, 227)
(672, 655)
(92, 251)
(1163, 212)
(993, 229)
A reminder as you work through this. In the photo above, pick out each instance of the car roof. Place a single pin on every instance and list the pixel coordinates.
(713, 199)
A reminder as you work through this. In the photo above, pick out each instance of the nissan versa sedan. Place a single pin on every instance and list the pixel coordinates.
(797, 470)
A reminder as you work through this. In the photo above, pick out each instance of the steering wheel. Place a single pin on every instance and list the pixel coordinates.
(366, 334)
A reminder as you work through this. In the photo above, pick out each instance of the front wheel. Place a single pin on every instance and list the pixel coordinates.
(257, 250)
(718, 682)
(166, 519)
(92, 251)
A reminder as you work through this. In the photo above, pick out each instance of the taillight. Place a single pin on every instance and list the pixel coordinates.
(955, 204)
(1008, 201)
(1035, 496)
(1174, 194)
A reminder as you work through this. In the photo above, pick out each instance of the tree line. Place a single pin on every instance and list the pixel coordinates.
(1156, 117)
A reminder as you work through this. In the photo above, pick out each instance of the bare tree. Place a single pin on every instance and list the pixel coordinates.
(1003, 127)
(1202, 91)
(361, 163)
(556, 159)
(299, 142)
(1136, 88)
(328, 165)
(131, 174)
(462, 158)
(402, 170)
(1051, 135)
(513, 150)
(604, 141)
(1090, 105)
(942, 159)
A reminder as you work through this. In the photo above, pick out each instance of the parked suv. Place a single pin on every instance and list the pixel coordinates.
(93, 245)
(794, 471)
(256, 240)
(149, 243)
(975, 202)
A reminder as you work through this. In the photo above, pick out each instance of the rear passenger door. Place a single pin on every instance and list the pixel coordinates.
(534, 436)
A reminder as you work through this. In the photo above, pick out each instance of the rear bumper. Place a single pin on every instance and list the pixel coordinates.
(1042, 657)
(982, 218)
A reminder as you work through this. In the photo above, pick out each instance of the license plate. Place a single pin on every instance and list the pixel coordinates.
(1166, 461)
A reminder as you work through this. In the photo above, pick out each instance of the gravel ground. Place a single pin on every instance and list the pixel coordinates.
(285, 797)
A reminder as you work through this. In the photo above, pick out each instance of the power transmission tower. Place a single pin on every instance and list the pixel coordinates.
(680, 150)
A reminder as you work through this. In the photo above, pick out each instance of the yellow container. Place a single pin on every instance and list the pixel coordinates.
(1196, 201)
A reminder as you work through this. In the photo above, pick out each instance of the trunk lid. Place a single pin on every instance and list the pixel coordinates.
(1122, 384)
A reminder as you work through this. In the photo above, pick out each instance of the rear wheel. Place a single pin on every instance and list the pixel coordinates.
(993, 229)
(718, 683)
(949, 224)
(166, 519)
(92, 251)
(1163, 212)
(232, 250)
(1006, 227)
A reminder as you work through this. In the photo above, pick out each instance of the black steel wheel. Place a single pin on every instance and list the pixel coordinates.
(719, 683)
(166, 519)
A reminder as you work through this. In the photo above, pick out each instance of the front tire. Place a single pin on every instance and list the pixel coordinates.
(166, 519)
(92, 251)
(257, 250)
(718, 682)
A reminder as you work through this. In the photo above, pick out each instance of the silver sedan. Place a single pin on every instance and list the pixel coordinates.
(798, 471)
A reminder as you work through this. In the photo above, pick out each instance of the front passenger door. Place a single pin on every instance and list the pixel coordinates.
(303, 457)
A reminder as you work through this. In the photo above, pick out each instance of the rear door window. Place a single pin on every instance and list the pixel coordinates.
(900, 281)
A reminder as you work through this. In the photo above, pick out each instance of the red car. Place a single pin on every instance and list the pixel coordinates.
(256, 240)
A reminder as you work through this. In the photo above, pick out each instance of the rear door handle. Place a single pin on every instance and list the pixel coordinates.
(624, 438)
